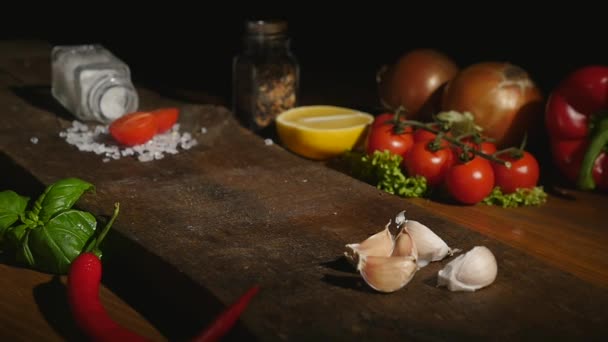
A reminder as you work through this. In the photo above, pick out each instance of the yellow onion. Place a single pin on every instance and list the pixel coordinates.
(502, 97)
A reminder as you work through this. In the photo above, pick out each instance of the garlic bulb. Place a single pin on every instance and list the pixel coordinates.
(386, 262)
(469, 272)
(430, 246)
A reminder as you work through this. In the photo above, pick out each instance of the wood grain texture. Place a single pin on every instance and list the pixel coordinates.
(233, 212)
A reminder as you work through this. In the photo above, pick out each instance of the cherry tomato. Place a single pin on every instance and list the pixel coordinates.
(488, 147)
(470, 182)
(165, 118)
(523, 173)
(432, 165)
(383, 137)
(134, 128)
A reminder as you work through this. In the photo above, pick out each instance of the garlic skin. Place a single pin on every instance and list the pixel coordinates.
(430, 246)
(469, 272)
(379, 244)
(387, 274)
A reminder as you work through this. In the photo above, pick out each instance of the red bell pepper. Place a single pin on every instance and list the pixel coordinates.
(577, 122)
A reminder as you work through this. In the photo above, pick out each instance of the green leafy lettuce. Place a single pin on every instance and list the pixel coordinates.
(521, 197)
(382, 169)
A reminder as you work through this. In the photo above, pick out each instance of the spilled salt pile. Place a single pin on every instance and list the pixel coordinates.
(99, 141)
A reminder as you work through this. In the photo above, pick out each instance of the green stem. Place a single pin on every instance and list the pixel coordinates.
(513, 152)
(106, 229)
(435, 144)
(457, 142)
(599, 139)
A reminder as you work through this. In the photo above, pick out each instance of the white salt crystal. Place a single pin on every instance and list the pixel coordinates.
(89, 140)
(268, 142)
(204, 130)
(34, 140)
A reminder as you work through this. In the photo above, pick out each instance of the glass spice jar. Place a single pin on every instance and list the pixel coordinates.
(92, 83)
(266, 74)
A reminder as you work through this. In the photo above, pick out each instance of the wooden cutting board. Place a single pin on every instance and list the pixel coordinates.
(198, 228)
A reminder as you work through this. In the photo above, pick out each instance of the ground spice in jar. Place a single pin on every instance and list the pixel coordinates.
(265, 75)
(276, 93)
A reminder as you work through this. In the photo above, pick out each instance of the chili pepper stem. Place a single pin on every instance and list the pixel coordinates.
(598, 141)
(105, 230)
(457, 142)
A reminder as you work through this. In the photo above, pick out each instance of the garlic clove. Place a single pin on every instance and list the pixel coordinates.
(379, 244)
(387, 274)
(469, 272)
(405, 245)
(429, 245)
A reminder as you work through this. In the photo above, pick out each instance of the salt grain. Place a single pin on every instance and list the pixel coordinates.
(98, 141)
(268, 142)
(34, 140)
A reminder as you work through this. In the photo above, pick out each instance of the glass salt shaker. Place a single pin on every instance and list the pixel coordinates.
(92, 83)
(266, 74)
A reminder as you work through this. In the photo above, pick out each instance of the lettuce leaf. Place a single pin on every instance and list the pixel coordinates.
(382, 169)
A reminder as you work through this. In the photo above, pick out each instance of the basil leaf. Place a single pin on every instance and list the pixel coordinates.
(24, 254)
(13, 237)
(59, 196)
(55, 245)
(11, 206)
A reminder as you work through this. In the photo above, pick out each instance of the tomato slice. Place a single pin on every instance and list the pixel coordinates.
(134, 128)
(165, 118)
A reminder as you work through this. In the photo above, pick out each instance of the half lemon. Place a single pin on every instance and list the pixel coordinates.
(322, 132)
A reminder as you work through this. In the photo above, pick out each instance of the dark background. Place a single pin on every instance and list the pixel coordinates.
(190, 47)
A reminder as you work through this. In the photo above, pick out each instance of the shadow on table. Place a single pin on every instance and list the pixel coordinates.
(40, 96)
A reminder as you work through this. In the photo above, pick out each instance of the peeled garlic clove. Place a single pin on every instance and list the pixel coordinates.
(430, 246)
(387, 274)
(469, 272)
(379, 244)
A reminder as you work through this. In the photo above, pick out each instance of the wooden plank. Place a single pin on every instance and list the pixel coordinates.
(233, 212)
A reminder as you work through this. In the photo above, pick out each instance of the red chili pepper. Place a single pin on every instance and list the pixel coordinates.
(577, 121)
(226, 320)
(83, 296)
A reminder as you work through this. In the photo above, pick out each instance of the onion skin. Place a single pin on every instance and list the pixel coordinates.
(504, 100)
(415, 82)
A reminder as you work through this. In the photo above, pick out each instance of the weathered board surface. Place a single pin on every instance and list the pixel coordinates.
(234, 211)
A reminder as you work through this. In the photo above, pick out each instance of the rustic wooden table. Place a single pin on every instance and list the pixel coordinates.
(196, 229)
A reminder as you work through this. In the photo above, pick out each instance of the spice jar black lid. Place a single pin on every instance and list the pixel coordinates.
(266, 27)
